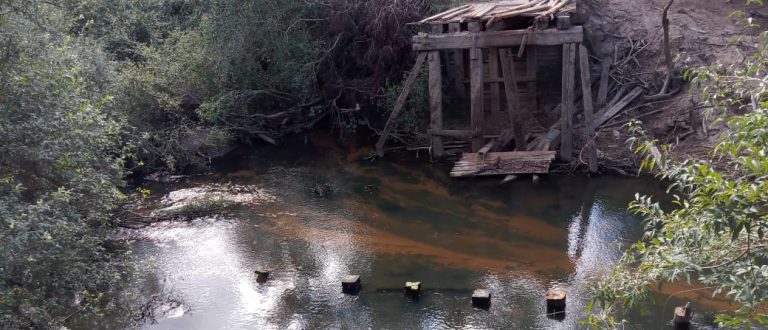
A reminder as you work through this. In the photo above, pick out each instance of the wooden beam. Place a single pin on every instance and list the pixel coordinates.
(459, 73)
(589, 128)
(436, 102)
(566, 117)
(531, 66)
(486, 148)
(493, 73)
(608, 113)
(467, 40)
(477, 121)
(513, 98)
(407, 86)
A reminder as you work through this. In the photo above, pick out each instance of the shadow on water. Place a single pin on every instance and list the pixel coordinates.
(391, 223)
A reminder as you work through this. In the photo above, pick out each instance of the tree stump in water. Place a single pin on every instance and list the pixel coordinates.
(555, 301)
(683, 315)
(262, 275)
(351, 284)
(481, 298)
(412, 289)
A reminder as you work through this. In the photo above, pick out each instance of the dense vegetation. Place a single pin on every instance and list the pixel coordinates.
(715, 237)
(92, 91)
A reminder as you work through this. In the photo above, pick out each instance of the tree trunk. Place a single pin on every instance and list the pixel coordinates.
(667, 50)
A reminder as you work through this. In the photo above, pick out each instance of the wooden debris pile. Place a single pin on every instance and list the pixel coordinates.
(503, 163)
(617, 91)
(491, 11)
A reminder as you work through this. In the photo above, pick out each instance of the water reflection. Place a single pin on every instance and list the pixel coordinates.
(454, 236)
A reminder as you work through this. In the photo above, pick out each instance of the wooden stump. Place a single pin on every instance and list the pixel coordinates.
(412, 289)
(262, 275)
(481, 298)
(556, 300)
(683, 314)
(351, 284)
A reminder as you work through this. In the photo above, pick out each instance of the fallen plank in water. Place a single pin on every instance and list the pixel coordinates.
(503, 163)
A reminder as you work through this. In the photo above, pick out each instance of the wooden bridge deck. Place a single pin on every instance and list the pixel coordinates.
(503, 163)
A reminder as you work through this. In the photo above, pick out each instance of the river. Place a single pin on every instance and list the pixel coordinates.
(392, 222)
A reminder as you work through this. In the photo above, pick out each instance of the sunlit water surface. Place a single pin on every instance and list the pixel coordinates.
(392, 222)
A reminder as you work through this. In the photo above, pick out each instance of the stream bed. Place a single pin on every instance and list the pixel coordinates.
(321, 213)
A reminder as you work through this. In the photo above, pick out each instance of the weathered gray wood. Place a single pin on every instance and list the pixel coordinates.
(458, 63)
(566, 117)
(493, 73)
(589, 128)
(486, 148)
(531, 63)
(477, 122)
(564, 22)
(602, 92)
(466, 40)
(513, 97)
(505, 138)
(503, 163)
(608, 113)
(407, 86)
(436, 102)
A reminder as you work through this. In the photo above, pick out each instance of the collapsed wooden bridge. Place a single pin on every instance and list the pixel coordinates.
(502, 55)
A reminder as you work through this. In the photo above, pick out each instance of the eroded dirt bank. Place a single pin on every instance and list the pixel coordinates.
(702, 33)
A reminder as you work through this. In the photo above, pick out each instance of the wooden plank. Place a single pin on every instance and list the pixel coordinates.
(602, 92)
(589, 128)
(503, 163)
(493, 73)
(445, 13)
(486, 148)
(407, 86)
(507, 38)
(566, 117)
(608, 113)
(459, 73)
(436, 102)
(513, 98)
(477, 122)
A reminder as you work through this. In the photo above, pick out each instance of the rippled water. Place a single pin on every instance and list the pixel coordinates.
(392, 222)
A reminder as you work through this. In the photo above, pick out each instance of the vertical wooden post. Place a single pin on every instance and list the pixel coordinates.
(531, 65)
(436, 97)
(458, 60)
(493, 73)
(476, 91)
(566, 117)
(436, 102)
(513, 98)
(586, 88)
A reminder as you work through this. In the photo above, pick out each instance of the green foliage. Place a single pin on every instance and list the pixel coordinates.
(715, 235)
(61, 168)
(92, 90)
(415, 114)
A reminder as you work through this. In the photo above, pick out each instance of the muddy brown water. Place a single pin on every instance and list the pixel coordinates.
(393, 222)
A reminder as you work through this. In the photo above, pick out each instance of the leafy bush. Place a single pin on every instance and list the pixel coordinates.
(716, 234)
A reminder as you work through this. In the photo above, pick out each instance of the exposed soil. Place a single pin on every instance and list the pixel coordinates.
(701, 33)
